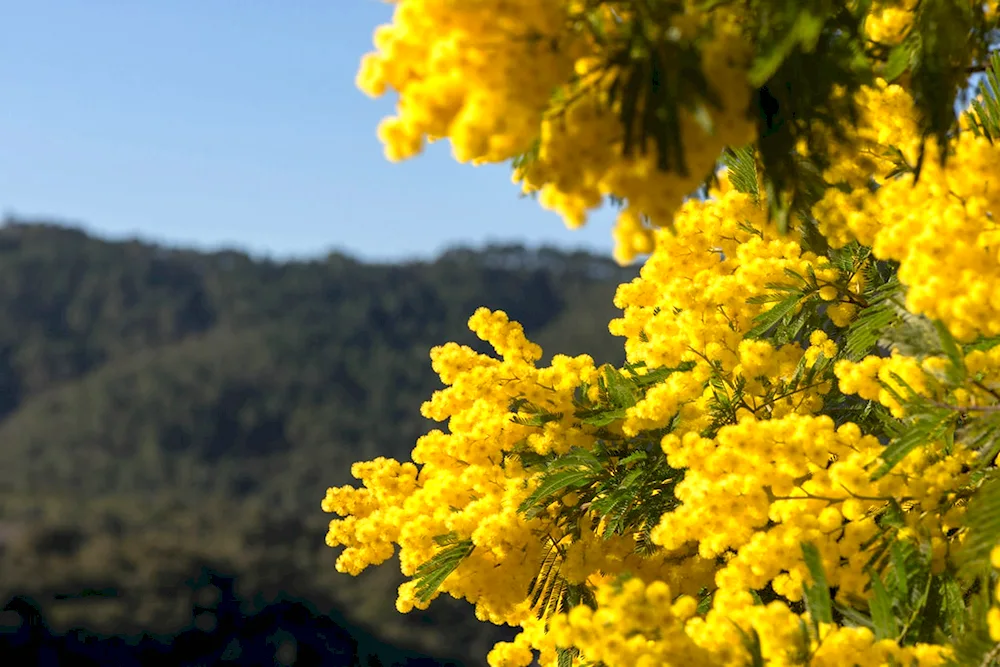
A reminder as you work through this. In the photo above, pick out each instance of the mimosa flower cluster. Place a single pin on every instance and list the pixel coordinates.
(464, 485)
(499, 76)
(947, 219)
(787, 468)
(890, 20)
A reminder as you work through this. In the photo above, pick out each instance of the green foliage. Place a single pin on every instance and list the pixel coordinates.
(795, 87)
(742, 166)
(529, 156)
(883, 615)
(942, 30)
(984, 116)
(804, 51)
(624, 482)
(981, 434)
(909, 602)
(974, 645)
(882, 313)
(547, 588)
(927, 424)
(655, 77)
(627, 484)
(797, 97)
(956, 372)
(909, 582)
(550, 592)
(932, 56)
(817, 592)
(555, 485)
(766, 321)
(796, 309)
(983, 525)
(751, 643)
(793, 27)
(430, 575)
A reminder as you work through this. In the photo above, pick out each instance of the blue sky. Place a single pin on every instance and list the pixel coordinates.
(223, 123)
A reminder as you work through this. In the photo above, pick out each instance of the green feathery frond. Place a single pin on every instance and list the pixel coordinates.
(817, 592)
(929, 424)
(742, 166)
(983, 525)
(984, 116)
(430, 575)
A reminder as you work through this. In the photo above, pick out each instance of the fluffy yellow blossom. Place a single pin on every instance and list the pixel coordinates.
(674, 511)
(941, 229)
(890, 20)
(495, 76)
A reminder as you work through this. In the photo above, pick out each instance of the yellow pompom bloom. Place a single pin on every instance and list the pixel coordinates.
(736, 419)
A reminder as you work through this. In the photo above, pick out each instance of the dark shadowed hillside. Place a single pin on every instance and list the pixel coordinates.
(160, 409)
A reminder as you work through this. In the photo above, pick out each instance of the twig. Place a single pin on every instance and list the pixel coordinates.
(967, 408)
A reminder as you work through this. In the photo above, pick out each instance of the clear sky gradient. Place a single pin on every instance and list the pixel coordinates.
(226, 123)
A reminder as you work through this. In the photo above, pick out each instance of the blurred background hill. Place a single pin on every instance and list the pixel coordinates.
(167, 410)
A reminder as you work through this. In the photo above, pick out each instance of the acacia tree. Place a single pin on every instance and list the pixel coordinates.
(797, 463)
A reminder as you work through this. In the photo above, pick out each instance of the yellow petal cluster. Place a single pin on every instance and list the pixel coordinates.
(758, 489)
(690, 300)
(740, 404)
(890, 20)
(479, 72)
(580, 156)
(781, 474)
(646, 625)
(499, 76)
(942, 229)
(465, 485)
(993, 616)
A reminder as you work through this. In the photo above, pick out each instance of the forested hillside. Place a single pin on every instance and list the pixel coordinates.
(161, 410)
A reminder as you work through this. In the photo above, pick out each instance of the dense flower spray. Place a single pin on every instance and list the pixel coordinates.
(797, 463)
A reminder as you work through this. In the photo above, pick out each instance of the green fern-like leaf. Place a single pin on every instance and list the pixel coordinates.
(530, 459)
(904, 569)
(881, 608)
(956, 360)
(768, 319)
(651, 80)
(929, 425)
(554, 485)
(984, 116)
(974, 645)
(817, 593)
(953, 611)
(528, 157)
(901, 57)
(982, 434)
(565, 656)
(801, 32)
(578, 458)
(601, 416)
(985, 343)
(943, 28)
(655, 375)
(912, 335)
(432, 574)
(872, 323)
(983, 525)
(448, 539)
(752, 645)
(546, 586)
(742, 165)
(619, 390)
